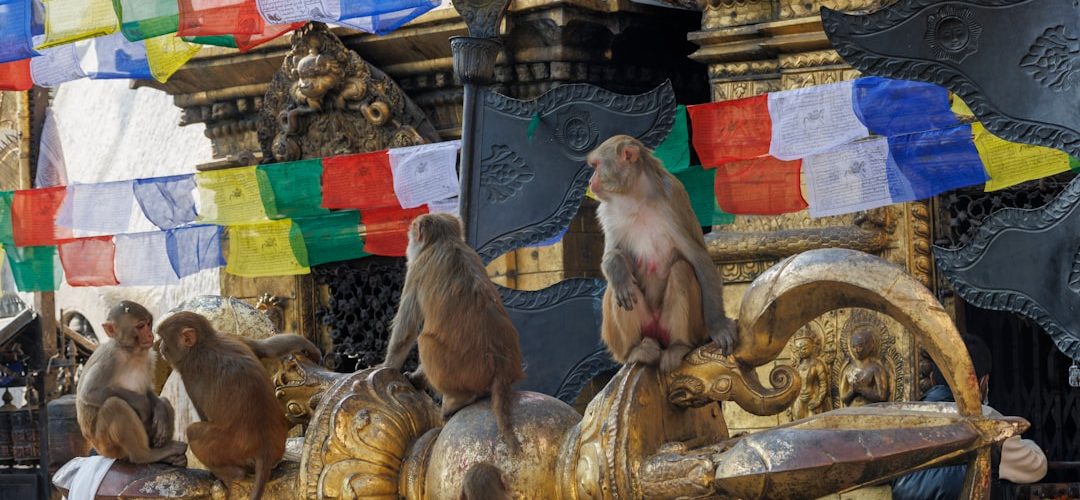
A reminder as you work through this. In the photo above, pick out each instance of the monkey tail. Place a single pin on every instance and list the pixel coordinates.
(262, 474)
(502, 398)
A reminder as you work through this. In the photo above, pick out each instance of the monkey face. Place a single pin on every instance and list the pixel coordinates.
(179, 333)
(130, 331)
(615, 166)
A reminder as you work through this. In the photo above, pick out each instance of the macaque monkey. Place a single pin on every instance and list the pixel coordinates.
(118, 412)
(484, 481)
(664, 294)
(243, 429)
(468, 346)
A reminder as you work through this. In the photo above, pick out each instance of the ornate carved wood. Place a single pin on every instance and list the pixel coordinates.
(1016, 63)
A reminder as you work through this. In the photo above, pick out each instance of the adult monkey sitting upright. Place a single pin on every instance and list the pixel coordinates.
(116, 407)
(664, 294)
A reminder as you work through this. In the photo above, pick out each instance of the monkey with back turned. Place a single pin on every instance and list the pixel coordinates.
(664, 294)
(118, 412)
(468, 345)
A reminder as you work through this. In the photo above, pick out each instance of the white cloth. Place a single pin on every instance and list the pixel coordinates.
(813, 120)
(425, 173)
(851, 178)
(88, 479)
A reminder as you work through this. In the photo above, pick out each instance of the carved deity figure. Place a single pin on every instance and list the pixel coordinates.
(813, 396)
(864, 379)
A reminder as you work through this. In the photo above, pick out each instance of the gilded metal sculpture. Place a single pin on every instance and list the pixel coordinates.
(814, 394)
(864, 379)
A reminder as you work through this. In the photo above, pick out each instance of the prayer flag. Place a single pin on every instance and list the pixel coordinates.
(813, 120)
(386, 230)
(266, 249)
(700, 184)
(15, 75)
(731, 130)
(1010, 163)
(229, 196)
(894, 107)
(103, 208)
(358, 181)
(33, 216)
(331, 238)
(57, 65)
(382, 16)
(165, 54)
(89, 261)
(113, 56)
(194, 248)
(34, 268)
(7, 235)
(848, 179)
(142, 19)
(959, 107)
(449, 205)
(215, 40)
(425, 173)
(1074, 164)
(246, 42)
(51, 167)
(167, 201)
(292, 189)
(290, 11)
(761, 186)
(721, 217)
(143, 259)
(674, 152)
(218, 17)
(67, 21)
(15, 38)
(925, 164)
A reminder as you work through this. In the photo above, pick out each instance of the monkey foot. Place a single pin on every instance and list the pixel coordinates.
(647, 352)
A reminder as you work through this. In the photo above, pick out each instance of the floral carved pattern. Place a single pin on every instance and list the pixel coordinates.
(503, 174)
(1053, 59)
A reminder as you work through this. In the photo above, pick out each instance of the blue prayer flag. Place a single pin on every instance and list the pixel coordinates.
(382, 16)
(113, 56)
(925, 164)
(167, 201)
(894, 107)
(15, 39)
(194, 248)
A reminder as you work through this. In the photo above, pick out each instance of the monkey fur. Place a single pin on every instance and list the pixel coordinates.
(468, 345)
(118, 412)
(484, 481)
(243, 429)
(664, 294)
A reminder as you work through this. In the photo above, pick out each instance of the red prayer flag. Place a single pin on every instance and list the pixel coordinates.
(731, 130)
(386, 230)
(761, 186)
(33, 216)
(246, 42)
(89, 261)
(15, 75)
(359, 181)
(218, 17)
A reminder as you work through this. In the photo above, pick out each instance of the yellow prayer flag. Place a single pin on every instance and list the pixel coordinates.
(264, 249)
(1010, 163)
(230, 196)
(69, 20)
(959, 107)
(167, 53)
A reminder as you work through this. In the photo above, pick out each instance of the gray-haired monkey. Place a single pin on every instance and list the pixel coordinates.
(468, 346)
(664, 295)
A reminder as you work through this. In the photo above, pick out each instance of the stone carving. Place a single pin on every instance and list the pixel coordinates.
(1054, 58)
(326, 101)
(577, 133)
(482, 16)
(814, 393)
(503, 174)
(864, 378)
(953, 33)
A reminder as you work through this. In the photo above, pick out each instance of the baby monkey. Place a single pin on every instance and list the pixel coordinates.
(118, 412)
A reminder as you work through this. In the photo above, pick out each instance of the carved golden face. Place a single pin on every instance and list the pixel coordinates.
(863, 343)
(317, 75)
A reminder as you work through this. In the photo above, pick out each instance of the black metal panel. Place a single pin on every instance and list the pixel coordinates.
(526, 190)
(1015, 62)
(1026, 262)
(559, 329)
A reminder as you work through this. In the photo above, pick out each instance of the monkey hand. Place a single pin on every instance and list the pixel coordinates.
(725, 333)
(178, 454)
(418, 380)
(161, 424)
(626, 294)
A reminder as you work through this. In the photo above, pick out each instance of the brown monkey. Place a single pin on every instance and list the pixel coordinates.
(484, 481)
(664, 291)
(243, 429)
(117, 409)
(468, 346)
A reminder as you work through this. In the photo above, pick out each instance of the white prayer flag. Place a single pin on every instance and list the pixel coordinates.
(291, 11)
(56, 65)
(813, 120)
(103, 208)
(51, 169)
(425, 173)
(449, 206)
(143, 259)
(848, 179)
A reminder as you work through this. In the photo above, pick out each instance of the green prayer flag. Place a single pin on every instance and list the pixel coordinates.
(699, 185)
(331, 238)
(674, 152)
(7, 235)
(35, 269)
(142, 19)
(1074, 164)
(292, 189)
(215, 40)
(721, 217)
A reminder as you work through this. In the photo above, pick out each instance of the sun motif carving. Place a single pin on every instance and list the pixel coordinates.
(952, 33)
(577, 132)
(503, 173)
(1053, 59)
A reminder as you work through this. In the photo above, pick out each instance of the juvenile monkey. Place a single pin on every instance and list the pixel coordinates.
(243, 429)
(118, 412)
(664, 294)
(468, 346)
(484, 481)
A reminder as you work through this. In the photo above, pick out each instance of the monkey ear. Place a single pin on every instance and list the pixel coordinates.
(630, 153)
(188, 337)
(110, 329)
